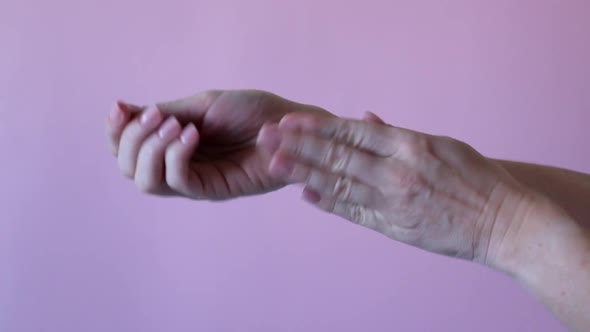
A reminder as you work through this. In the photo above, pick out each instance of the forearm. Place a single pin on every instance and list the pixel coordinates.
(549, 253)
(568, 189)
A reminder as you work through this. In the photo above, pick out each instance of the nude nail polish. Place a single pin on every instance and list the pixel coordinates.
(189, 133)
(150, 118)
(169, 129)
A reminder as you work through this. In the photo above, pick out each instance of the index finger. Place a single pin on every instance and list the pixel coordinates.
(117, 120)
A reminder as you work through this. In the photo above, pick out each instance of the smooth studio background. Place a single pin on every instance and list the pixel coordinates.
(82, 250)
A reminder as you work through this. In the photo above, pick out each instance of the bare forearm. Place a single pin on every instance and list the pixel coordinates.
(568, 189)
(550, 250)
(549, 253)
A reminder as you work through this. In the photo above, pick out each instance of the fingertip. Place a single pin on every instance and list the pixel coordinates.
(311, 196)
(122, 105)
(269, 137)
(129, 107)
(190, 134)
(116, 116)
(169, 129)
(291, 121)
(151, 117)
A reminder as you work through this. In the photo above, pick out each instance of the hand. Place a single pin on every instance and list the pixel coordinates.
(213, 157)
(432, 192)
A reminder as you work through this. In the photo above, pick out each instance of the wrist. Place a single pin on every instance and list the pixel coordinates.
(507, 210)
(539, 232)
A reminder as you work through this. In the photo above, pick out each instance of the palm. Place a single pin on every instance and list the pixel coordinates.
(226, 163)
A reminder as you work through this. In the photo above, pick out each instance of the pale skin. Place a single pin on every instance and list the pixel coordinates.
(432, 192)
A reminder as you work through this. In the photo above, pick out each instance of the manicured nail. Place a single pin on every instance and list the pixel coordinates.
(311, 196)
(116, 116)
(150, 118)
(169, 129)
(128, 107)
(281, 167)
(122, 105)
(270, 138)
(189, 133)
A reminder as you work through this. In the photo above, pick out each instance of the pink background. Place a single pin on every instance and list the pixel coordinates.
(82, 250)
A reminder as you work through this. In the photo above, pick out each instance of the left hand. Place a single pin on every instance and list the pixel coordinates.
(432, 192)
(202, 146)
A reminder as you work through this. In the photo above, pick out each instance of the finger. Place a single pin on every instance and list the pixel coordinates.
(149, 173)
(269, 138)
(178, 158)
(117, 120)
(340, 187)
(376, 138)
(191, 108)
(326, 154)
(131, 108)
(132, 138)
(357, 213)
(372, 117)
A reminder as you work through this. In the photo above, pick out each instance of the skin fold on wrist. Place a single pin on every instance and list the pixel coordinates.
(548, 237)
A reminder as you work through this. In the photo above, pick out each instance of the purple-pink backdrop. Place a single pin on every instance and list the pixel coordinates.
(82, 250)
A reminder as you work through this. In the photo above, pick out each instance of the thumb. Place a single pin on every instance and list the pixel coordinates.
(193, 107)
(186, 109)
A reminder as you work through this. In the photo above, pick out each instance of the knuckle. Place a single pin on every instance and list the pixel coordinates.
(344, 131)
(342, 188)
(355, 136)
(417, 147)
(448, 142)
(314, 121)
(358, 214)
(289, 117)
(293, 145)
(337, 157)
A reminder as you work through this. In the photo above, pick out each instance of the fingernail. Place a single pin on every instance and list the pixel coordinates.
(281, 167)
(298, 122)
(311, 196)
(128, 107)
(287, 122)
(151, 117)
(122, 105)
(169, 129)
(188, 134)
(269, 138)
(116, 115)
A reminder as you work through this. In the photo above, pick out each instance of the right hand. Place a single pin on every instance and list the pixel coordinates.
(214, 157)
(432, 192)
